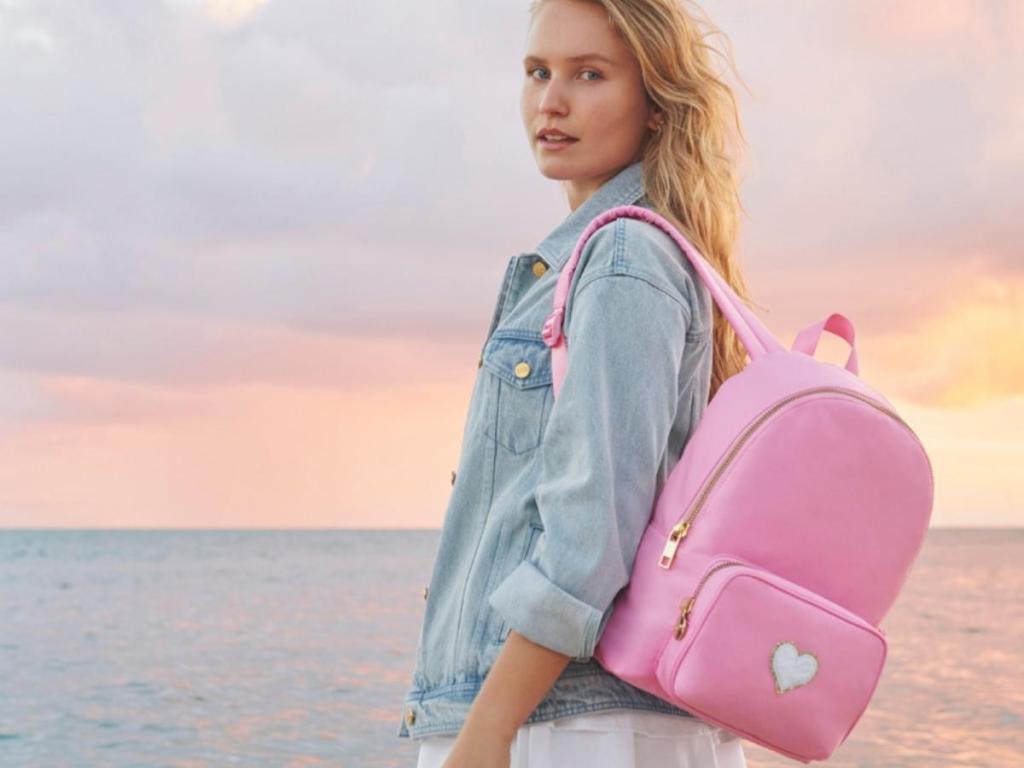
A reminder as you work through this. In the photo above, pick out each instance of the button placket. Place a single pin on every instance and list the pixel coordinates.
(499, 306)
(503, 293)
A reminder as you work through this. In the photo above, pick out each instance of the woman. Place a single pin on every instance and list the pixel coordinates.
(552, 495)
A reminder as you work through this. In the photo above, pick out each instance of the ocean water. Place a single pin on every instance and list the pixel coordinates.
(294, 648)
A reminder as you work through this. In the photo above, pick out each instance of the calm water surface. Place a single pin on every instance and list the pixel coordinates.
(294, 648)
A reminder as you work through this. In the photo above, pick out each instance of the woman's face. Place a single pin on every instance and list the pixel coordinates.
(600, 102)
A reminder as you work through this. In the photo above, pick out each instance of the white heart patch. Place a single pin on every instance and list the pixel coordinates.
(790, 668)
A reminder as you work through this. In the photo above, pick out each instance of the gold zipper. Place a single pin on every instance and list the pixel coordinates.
(680, 529)
(687, 604)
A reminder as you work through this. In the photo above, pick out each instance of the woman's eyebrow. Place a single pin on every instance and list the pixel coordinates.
(580, 57)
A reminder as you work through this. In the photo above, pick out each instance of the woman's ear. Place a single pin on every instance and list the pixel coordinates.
(655, 117)
(656, 120)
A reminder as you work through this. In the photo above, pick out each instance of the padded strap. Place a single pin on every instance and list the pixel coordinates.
(752, 333)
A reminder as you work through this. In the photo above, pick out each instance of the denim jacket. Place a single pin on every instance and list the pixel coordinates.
(552, 495)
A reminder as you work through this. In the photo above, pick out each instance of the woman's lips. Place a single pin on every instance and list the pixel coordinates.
(554, 146)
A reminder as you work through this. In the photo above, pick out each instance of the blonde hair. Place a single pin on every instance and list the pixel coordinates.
(690, 164)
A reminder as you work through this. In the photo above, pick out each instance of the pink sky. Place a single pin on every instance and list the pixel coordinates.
(248, 250)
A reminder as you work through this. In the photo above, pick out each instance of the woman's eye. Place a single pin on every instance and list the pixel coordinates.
(529, 72)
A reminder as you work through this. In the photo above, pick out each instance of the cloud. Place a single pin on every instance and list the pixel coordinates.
(35, 37)
(228, 13)
(254, 164)
(963, 357)
(233, 227)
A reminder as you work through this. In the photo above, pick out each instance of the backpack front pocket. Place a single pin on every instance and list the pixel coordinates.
(518, 390)
(771, 660)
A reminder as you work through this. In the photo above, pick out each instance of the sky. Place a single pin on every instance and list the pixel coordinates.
(249, 248)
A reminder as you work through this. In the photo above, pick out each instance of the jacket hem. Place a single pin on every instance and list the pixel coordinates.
(442, 710)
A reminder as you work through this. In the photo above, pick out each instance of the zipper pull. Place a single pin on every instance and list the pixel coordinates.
(684, 615)
(668, 554)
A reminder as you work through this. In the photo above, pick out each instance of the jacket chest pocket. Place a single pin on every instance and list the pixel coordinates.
(518, 394)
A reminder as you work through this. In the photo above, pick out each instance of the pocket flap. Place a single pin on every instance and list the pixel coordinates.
(773, 661)
(519, 357)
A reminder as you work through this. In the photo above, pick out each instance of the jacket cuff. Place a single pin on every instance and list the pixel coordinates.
(539, 609)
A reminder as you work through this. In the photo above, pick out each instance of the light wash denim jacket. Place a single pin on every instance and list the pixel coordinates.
(551, 496)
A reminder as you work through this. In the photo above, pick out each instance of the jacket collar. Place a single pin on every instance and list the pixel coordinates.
(624, 188)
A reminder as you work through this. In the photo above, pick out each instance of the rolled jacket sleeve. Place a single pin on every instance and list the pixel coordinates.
(603, 444)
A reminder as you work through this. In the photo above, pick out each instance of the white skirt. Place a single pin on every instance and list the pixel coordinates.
(623, 738)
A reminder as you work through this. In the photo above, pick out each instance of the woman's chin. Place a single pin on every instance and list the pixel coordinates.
(557, 168)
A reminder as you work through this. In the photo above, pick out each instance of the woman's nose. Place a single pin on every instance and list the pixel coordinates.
(553, 99)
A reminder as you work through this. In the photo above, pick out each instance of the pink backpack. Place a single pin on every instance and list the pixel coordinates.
(778, 542)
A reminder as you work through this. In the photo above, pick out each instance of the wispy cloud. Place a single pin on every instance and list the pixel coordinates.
(200, 196)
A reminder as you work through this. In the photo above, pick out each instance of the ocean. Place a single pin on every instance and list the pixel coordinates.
(295, 648)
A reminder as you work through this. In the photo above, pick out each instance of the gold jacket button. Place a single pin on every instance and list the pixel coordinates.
(410, 716)
(522, 369)
(539, 268)
(453, 477)
(426, 591)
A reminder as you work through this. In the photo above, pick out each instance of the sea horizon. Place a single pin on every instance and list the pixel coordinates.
(267, 647)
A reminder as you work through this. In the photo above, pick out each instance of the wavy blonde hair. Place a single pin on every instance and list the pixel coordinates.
(690, 164)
